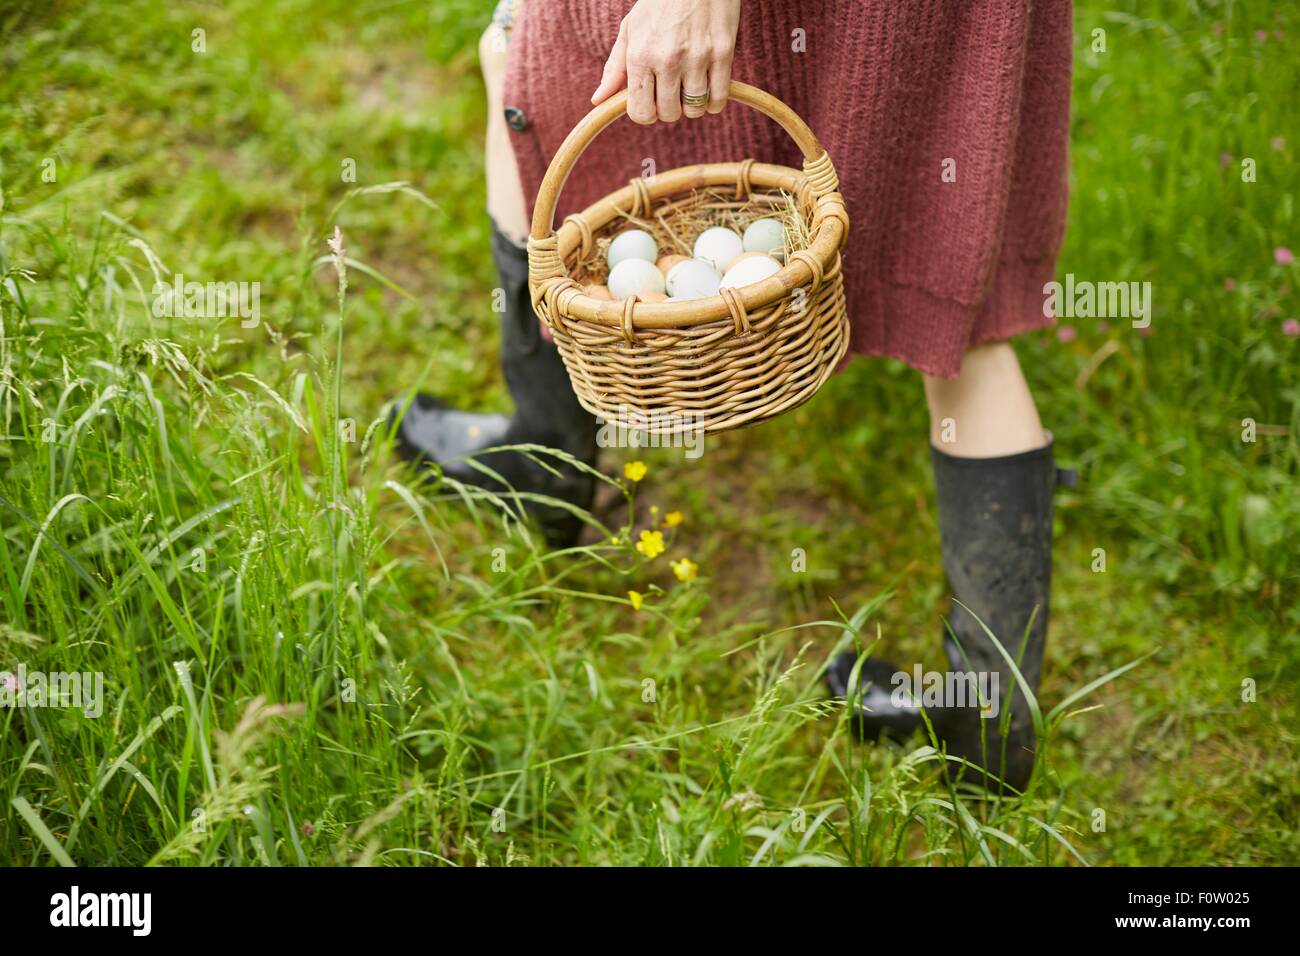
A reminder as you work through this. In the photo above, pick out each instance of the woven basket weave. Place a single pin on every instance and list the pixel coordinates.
(716, 363)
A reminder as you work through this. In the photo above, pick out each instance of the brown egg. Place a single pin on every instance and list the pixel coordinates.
(666, 263)
(742, 257)
(599, 292)
(653, 297)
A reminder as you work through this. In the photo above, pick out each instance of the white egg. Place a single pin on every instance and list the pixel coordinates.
(633, 244)
(693, 279)
(632, 276)
(765, 235)
(718, 245)
(749, 270)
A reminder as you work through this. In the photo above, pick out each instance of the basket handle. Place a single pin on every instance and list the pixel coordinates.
(595, 122)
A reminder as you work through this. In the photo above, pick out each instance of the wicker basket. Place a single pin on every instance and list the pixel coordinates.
(717, 363)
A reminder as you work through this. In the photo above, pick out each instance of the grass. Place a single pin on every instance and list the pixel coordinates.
(311, 659)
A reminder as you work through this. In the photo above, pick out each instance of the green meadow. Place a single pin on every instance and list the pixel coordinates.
(312, 657)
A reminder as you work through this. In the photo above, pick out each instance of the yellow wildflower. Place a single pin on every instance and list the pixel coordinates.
(651, 543)
(685, 569)
(673, 519)
(634, 470)
(636, 598)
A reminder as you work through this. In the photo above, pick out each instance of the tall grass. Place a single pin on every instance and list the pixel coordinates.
(204, 551)
(311, 657)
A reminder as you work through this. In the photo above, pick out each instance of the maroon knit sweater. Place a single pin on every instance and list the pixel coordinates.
(948, 123)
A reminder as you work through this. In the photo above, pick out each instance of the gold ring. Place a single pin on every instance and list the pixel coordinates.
(695, 99)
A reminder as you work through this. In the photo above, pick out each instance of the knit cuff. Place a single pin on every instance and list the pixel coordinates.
(931, 332)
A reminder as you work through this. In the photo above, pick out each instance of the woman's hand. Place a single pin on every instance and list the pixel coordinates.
(667, 48)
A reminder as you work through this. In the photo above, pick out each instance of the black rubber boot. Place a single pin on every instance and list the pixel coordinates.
(995, 527)
(547, 413)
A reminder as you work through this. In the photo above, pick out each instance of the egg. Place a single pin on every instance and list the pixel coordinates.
(749, 270)
(667, 262)
(635, 276)
(765, 235)
(693, 279)
(633, 244)
(599, 292)
(718, 245)
(742, 257)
